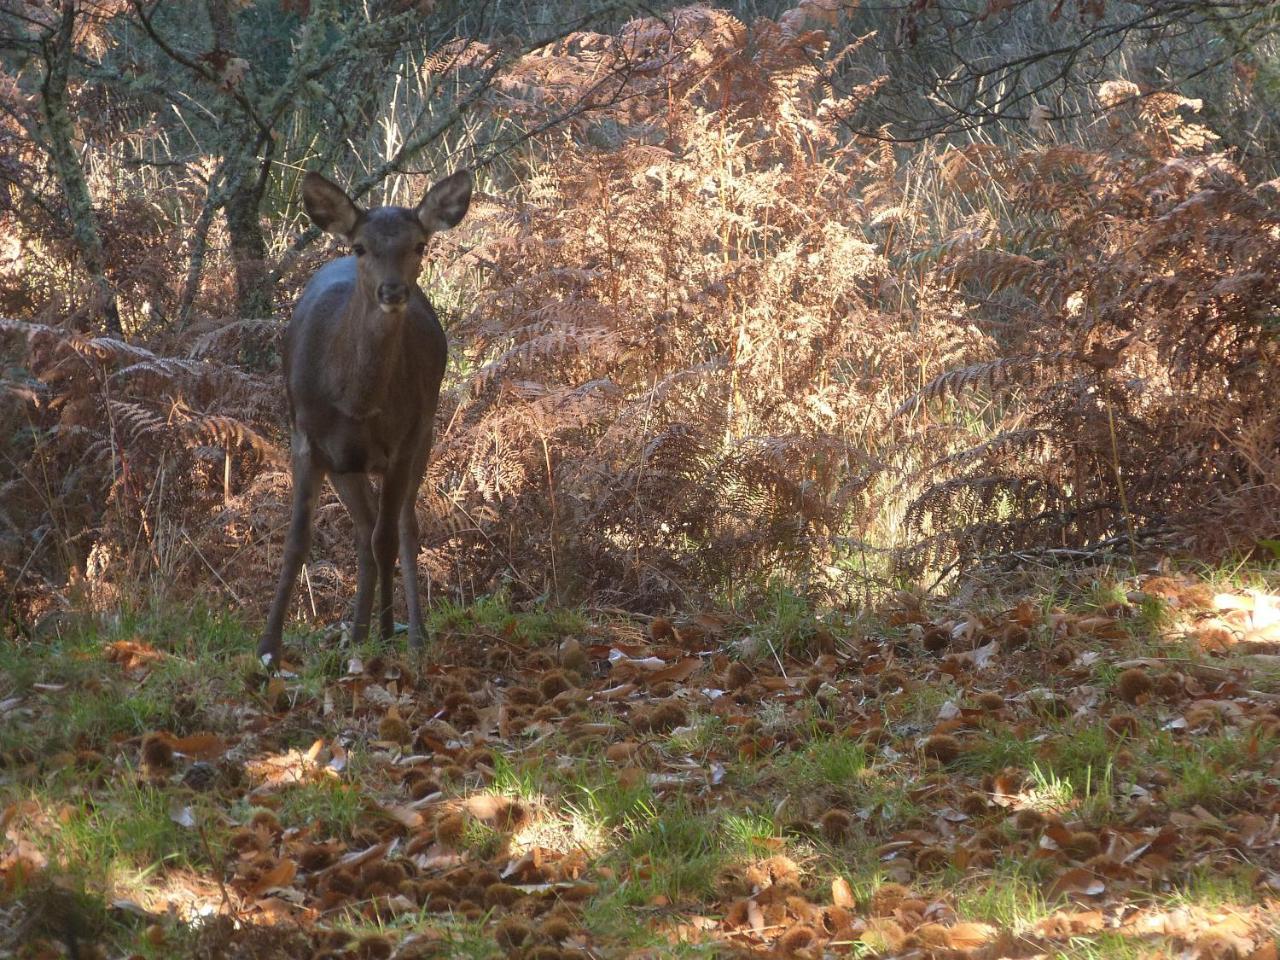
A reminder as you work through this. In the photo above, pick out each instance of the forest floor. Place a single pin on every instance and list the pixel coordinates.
(1084, 769)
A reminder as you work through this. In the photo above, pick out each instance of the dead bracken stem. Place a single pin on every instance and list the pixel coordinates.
(216, 864)
(1115, 466)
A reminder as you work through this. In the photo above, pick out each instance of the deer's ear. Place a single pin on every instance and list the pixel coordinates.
(328, 206)
(446, 203)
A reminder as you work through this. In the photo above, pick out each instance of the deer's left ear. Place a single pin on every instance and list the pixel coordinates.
(446, 203)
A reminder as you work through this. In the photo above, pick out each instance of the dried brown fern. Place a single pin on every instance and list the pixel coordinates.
(112, 449)
(1147, 401)
(710, 337)
(679, 358)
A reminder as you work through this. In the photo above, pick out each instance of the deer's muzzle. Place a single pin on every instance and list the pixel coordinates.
(392, 295)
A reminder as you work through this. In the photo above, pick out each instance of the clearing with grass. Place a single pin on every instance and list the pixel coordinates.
(1090, 772)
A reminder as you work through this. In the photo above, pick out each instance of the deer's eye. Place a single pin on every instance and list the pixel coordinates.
(358, 249)
(420, 249)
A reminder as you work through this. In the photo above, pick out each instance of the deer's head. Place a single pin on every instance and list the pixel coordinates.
(388, 242)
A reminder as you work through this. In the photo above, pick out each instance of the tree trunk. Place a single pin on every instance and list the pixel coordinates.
(255, 289)
(59, 132)
(255, 286)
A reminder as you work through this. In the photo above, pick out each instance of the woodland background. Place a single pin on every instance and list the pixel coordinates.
(822, 297)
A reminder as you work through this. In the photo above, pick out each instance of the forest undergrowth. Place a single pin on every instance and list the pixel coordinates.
(704, 339)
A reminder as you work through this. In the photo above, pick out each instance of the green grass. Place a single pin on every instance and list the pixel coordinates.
(615, 915)
(481, 840)
(538, 626)
(835, 761)
(1106, 946)
(1085, 793)
(749, 834)
(1106, 673)
(1241, 572)
(703, 732)
(320, 662)
(996, 750)
(858, 862)
(98, 704)
(920, 704)
(330, 807)
(785, 624)
(1217, 888)
(593, 791)
(1011, 895)
(839, 772)
(1103, 592)
(687, 850)
(127, 835)
(1082, 760)
(681, 845)
(512, 780)
(98, 718)
(465, 938)
(1207, 770)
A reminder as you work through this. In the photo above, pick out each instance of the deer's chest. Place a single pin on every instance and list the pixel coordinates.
(347, 444)
(363, 404)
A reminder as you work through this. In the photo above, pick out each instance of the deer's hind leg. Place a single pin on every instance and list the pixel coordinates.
(356, 493)
(307, 478)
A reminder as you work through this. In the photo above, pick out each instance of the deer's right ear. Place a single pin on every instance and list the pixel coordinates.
(328, 206)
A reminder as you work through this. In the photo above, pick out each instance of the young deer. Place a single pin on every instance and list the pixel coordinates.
(363, 359)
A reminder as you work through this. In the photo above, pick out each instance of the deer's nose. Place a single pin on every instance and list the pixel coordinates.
(392, 294)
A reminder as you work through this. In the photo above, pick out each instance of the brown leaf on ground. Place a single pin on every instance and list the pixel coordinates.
(201, 746)
(131, 655)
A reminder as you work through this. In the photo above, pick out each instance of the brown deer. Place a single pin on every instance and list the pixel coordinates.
(363, 359)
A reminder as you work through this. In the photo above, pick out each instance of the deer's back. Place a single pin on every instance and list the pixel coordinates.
(358, 410)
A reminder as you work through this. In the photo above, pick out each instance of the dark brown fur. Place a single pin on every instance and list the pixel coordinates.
(364, 357)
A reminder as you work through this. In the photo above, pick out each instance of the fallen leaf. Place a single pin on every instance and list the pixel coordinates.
(679, 671)
(405, 816)
(620, 692)
(201, 746)
(360, 857)
(1077, 880)
(281, 875)
(841, 893)
(970, 936)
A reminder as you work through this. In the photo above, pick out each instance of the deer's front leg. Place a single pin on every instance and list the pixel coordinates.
(307, 478)
(409, 568)
(395, 487)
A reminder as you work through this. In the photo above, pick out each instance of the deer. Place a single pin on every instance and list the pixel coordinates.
(364, 357)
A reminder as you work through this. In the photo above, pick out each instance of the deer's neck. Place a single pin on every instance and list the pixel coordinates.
(371, 340)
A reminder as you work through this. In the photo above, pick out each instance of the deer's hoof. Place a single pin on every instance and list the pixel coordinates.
(269, 653)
